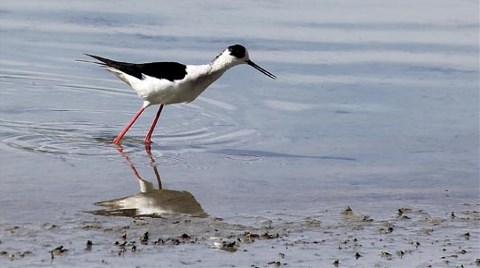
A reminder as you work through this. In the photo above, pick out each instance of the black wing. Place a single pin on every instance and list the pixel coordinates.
(161, 70)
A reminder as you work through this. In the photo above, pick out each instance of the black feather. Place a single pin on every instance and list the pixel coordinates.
(162, 70)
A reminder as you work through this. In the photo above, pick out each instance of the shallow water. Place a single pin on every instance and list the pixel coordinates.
(375, 107)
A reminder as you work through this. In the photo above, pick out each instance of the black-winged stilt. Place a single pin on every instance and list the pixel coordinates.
(172, 82)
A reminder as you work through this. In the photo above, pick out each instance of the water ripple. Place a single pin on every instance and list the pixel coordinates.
(81, 139)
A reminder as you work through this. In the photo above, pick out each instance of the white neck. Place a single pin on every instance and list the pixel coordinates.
(222, 62)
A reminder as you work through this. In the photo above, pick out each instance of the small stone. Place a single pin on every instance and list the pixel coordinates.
(88, 246)
(144, 238)
(357, 255)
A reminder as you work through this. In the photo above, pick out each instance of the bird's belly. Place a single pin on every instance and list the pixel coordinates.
(176, 93)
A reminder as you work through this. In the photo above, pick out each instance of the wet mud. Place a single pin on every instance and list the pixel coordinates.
(411, 237)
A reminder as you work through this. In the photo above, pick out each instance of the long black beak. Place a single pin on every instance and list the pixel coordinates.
(265, 72)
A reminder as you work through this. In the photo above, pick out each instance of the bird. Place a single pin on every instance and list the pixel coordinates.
(165, 83)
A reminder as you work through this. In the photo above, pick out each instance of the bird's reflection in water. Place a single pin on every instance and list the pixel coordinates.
(150, 202)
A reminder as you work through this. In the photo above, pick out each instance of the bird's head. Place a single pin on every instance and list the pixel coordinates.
(238, 54)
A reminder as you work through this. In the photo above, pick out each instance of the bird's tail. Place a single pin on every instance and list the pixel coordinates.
(115, 67)
(101, 61)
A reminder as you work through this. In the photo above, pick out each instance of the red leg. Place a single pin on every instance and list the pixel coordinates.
(152, 127)
(127, 127)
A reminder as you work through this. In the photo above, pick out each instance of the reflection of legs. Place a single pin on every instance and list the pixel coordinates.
(127, 127)
(152, 127)
(125, 155)
(154, 165)
(145, 186)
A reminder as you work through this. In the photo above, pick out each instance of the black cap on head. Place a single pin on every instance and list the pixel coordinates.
(237, 51)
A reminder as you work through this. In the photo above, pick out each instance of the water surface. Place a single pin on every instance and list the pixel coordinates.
(375, 107)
